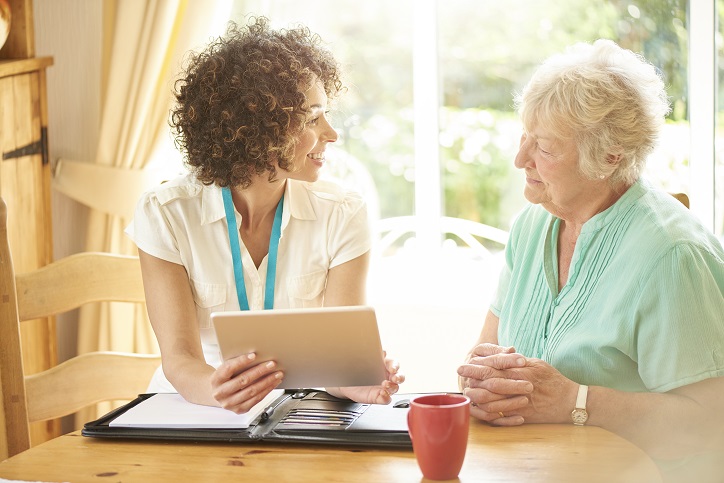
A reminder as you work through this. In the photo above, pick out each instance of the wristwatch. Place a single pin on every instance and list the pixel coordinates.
(579, 415)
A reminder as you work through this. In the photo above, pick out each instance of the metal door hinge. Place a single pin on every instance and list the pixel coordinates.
(38, 147)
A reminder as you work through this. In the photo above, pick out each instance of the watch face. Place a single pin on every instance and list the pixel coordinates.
(579, 416)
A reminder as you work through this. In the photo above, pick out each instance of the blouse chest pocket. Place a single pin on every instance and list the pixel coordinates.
(307, 290)
(208, 297)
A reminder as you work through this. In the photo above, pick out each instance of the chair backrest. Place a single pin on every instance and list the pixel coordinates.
(80, 381)
(682, 197)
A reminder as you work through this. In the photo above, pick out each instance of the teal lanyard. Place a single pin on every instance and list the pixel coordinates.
(271, 268)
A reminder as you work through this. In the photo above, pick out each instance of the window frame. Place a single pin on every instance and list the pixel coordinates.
(702, 29)
(702, 70)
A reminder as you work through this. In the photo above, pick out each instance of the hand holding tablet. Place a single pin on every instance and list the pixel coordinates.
(316, 347)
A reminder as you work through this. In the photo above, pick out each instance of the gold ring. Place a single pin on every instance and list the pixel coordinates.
(501, 414)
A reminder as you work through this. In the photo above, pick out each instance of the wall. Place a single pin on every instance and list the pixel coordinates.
(70, 32)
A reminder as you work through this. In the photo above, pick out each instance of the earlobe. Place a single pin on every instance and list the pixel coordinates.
(614, 155)
(613, 158)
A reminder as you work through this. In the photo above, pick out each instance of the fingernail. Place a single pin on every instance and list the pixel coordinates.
(251, 356)
(520, 361)
(279, 375)
(270, 364)
(529, 387)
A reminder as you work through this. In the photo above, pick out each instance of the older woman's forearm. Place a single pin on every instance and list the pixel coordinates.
(665, 425)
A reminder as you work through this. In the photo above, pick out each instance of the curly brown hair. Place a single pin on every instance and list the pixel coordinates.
(241, 103)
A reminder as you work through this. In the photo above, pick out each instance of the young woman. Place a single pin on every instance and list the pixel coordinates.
(251, 226)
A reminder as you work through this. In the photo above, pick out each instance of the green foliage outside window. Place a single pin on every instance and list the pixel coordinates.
(487, 51)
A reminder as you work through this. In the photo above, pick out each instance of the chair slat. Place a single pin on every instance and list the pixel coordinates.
(85, 278)
(88, 379)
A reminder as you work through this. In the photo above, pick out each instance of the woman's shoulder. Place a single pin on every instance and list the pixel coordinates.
(666, 222)
(328, 192)
(182, 187)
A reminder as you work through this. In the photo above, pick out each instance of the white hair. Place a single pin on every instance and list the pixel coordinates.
(609, 100)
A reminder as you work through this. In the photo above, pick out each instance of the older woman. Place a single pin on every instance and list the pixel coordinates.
(609, 309)
(250, 227)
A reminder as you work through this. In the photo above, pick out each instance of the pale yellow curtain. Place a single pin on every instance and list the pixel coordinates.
(144, 45)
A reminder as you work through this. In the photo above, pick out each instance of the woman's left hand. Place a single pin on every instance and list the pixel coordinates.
(381, 394)
(550, 395)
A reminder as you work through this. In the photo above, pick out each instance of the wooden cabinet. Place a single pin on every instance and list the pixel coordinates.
(25, 179)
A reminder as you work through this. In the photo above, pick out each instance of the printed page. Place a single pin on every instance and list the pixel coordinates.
(170, 410)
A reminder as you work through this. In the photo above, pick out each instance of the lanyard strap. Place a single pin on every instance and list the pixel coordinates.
(271, 268)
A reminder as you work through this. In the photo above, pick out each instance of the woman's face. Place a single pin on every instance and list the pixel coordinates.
(552, 177)
(312, 142)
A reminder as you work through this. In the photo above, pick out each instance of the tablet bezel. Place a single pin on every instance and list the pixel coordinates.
(315, 347)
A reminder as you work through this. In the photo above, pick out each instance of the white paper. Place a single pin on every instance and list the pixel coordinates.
(170, 410)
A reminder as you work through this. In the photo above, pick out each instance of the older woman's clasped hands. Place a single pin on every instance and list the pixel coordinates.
(508, 389)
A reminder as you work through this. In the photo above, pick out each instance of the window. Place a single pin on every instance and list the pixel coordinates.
(716, 76)
(428, 134)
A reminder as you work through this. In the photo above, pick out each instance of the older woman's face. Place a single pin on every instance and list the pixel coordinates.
(311, 144)
(552, 177)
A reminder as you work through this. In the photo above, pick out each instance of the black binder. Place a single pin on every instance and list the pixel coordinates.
(298, 416)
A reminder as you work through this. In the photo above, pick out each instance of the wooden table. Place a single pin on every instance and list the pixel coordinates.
(529, 453)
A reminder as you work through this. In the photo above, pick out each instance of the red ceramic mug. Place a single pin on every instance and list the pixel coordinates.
(438, 426)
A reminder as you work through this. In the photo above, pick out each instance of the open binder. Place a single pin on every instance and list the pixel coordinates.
(297, 416)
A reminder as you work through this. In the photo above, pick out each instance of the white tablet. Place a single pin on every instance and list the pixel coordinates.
(316, 347)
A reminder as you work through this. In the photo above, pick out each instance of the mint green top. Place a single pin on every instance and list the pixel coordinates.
(643, 308)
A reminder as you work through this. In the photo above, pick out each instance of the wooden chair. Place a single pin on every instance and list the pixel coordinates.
(682, 197)
(84, 380)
